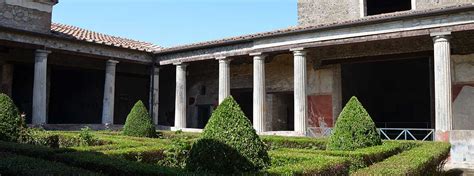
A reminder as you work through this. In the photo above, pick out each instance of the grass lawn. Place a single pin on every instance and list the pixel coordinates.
(110, 153)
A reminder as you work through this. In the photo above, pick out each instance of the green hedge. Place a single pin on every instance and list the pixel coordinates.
(11, 164)
(139, 122)
(228, 144)
(55, 140)
(290, 163)
(364, 157)
(275, 142)
(11, 124)
(422, 160)
(354, 129)
(102, 163)
(93, 161)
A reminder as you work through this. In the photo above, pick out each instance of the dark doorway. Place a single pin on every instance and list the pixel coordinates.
(129, 89)
(22, 89)
(75, 96)
(244, 97)
(280, 109)
(375, 7)
(395, 93)
(204, 113)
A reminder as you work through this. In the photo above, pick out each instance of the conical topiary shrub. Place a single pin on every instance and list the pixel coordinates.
(11, 123)
(229, 144)
(138, 122)
(354, 129)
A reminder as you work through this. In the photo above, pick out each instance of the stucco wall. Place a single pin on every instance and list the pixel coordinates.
(426, 4)
(327, 11)
(16, 16)
(463, 92)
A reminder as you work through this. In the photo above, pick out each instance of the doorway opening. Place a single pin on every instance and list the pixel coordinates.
(397, 94)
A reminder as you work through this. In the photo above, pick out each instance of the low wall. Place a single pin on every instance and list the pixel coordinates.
(462, 149)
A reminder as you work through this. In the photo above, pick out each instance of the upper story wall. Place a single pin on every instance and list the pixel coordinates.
(31, 15)
(426, 4)
(325, 11)
(314, 12)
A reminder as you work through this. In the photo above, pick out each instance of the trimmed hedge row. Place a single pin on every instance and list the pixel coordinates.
(422, 160)
(291, 163)
(275, 142)
(364, 157)
(55, 140)
(11, 164)
(94, 161)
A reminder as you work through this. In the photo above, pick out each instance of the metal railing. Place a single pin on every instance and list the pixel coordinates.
(417, 134)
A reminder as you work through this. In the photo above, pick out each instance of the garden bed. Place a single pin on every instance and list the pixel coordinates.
(116, 154)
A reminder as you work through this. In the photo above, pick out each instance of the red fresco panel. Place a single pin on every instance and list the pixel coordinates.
(320, 111)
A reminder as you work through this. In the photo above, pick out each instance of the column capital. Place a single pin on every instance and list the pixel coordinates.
(298, 51)
(224, 60)
(258, 56)
(42, 51)
(112, 62)
(181, 64)
(441, 36)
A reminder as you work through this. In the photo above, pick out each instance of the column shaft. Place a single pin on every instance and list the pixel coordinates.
(109, 93)
(154, 94)
(180, 103)
(442, 77)
(300, 92)
(259, 93)
(39, 87)
(224, 79)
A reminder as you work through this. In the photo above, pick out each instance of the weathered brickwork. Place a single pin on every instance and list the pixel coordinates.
(312, 12)
(24, 18)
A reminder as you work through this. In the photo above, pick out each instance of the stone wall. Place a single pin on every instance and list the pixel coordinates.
(312, 12)
(25, 16)
(427, 4)
(463, 92)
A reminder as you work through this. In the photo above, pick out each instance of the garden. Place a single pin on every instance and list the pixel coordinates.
(228, 145)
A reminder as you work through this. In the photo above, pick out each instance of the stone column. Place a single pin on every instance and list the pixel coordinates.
(224, 78)
(300, 91)
(154, 94)
(180, 103)
(7, 79)
(39, 87)
(109, 93)
(442, 79)
(259, 92)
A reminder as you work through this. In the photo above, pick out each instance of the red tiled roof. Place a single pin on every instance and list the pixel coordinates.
(77, 33)
(297, 29)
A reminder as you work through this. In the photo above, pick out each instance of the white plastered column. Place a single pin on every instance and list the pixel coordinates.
(300, 91)
(39, 87)
(442, 79)
(224, 78)
(180, 103)
(259, 92)
(109, 93)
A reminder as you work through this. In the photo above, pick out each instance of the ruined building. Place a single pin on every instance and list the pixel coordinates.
(410, 62)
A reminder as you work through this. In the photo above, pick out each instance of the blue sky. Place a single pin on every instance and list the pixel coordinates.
(177, 22)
